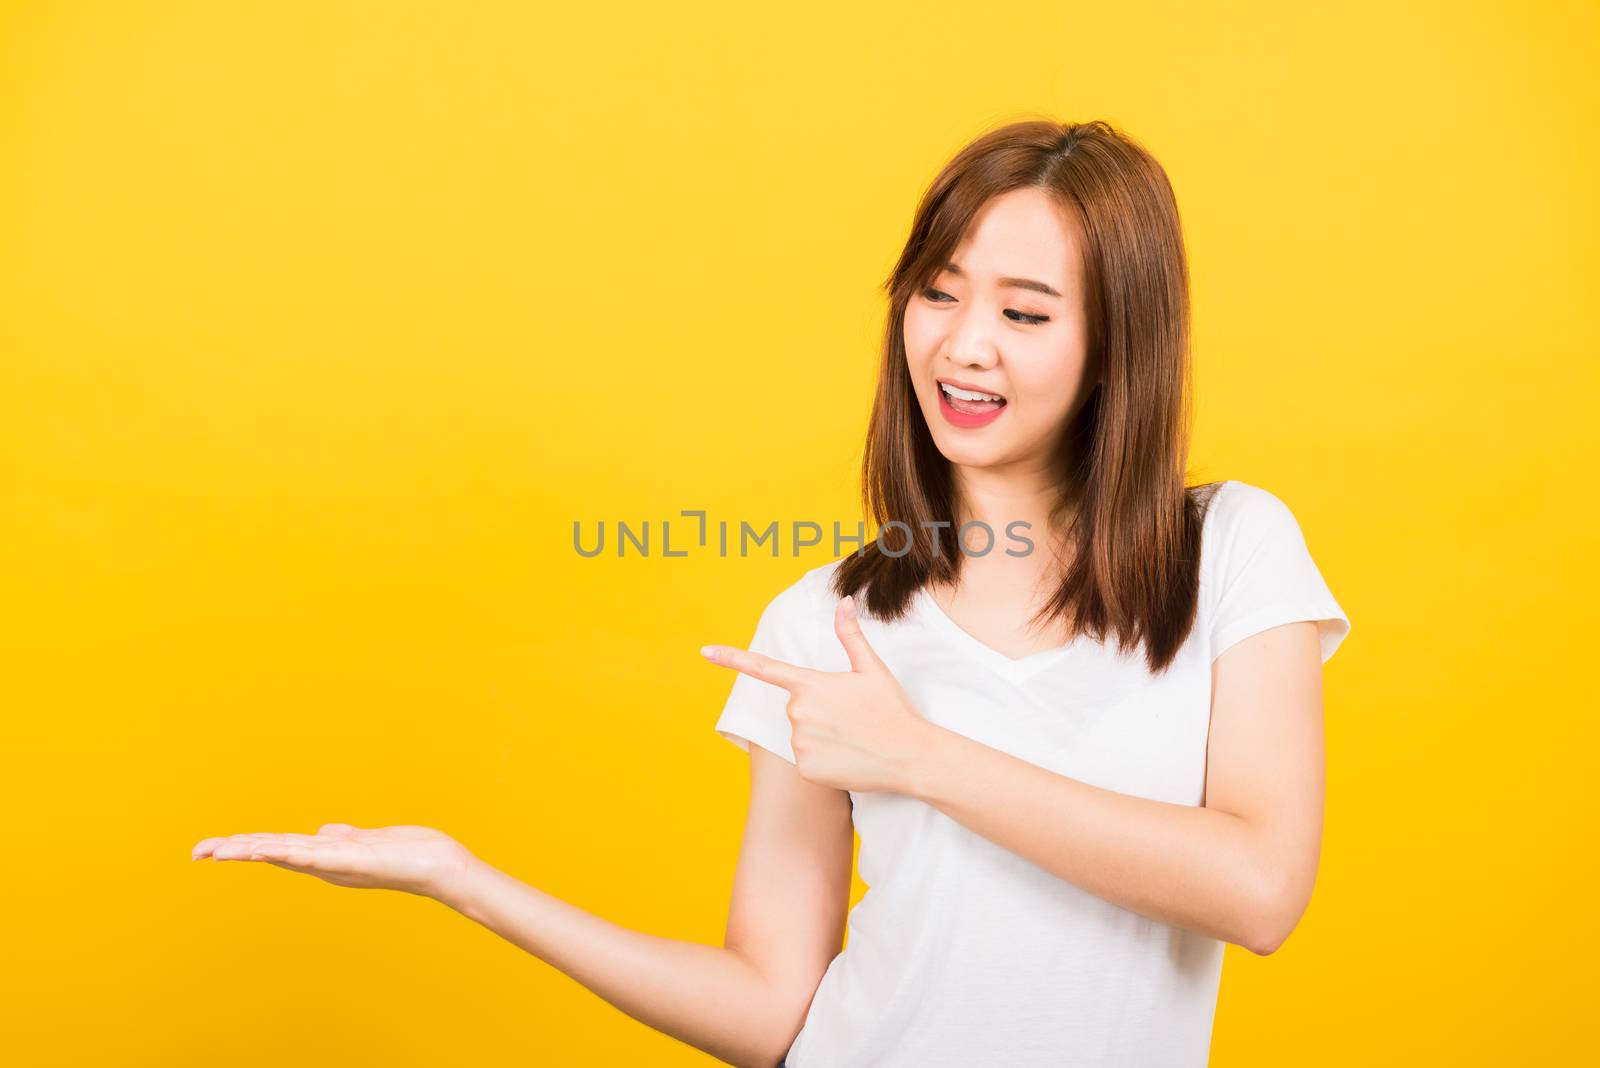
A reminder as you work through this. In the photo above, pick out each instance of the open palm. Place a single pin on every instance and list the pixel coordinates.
(417, 860)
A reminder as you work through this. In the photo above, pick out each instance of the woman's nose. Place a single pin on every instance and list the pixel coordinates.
(978, 356)
(972, 343)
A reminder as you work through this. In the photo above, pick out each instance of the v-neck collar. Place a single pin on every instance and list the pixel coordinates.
(1013, 669)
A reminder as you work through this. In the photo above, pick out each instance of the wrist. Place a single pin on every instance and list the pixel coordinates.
(926, 758)
(456, 886)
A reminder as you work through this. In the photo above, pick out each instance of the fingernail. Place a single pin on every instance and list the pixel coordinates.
(710, 652)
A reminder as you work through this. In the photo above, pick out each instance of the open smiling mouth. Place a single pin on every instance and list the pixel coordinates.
(970, 400)
(969, 408)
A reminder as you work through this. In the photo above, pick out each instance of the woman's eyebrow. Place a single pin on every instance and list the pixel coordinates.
(1014, 283)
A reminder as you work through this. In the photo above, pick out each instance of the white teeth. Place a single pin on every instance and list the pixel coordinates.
(967, 394)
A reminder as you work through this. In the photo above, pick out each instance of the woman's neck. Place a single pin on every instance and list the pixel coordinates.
(998, 499)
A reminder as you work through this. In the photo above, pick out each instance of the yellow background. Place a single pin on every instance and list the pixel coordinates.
(322, 323)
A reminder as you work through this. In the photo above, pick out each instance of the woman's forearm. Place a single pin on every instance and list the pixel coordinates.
(1192, 867)
(711, 997)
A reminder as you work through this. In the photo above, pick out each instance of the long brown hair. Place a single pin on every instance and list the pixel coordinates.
(1133, 536)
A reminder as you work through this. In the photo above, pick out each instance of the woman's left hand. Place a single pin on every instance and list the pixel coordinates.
(852, 730)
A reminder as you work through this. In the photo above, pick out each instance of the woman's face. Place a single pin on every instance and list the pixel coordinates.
(1004, 317)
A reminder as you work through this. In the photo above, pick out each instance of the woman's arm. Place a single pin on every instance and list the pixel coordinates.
(743, 1002)
(1241, 868)
(710, 997)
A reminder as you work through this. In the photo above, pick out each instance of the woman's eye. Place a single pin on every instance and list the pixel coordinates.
(1023, 317)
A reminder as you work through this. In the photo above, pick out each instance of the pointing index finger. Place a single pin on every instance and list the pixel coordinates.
(757, 665)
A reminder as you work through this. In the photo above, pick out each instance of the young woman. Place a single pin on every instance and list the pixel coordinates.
(1071, 705)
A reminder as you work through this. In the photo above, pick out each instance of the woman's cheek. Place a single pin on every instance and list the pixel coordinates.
(919, 338)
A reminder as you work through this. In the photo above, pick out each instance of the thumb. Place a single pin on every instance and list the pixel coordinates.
(848, 628)
(335, 828)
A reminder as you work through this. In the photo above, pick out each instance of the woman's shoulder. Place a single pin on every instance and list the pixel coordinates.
(821, 579)
(1232, 502)
(813, 592)
(804, 596)
(1241, 520)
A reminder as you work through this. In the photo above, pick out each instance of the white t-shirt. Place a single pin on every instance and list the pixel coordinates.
(964, 954)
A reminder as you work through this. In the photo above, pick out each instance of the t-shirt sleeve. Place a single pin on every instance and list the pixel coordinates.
(758, 711)
(1264, 576)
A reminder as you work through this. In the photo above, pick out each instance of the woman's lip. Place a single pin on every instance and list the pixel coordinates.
(966, 420)
(974, 389)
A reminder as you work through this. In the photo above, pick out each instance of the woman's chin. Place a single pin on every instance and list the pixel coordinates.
(964, 455)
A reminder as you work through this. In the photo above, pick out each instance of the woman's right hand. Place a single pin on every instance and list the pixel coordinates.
(416, 860)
